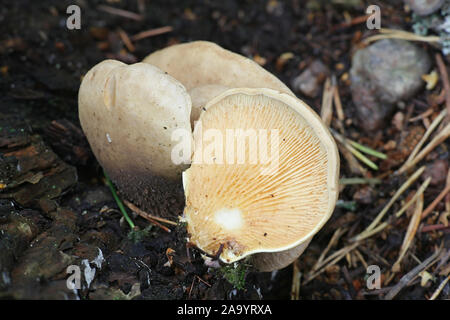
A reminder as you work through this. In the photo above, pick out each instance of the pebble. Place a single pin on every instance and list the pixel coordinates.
(437, 171)
(383, 74)
(424, 7)
(309, 81)
(364, 195)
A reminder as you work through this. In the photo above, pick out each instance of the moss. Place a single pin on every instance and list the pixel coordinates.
(235, 274)
(137, 235)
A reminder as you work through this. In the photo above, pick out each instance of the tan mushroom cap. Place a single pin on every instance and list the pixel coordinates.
(200, 97)
(205, 68)
(247, 209)
(128, 113)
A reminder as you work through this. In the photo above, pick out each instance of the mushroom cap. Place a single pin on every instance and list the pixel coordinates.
(200, 97)
(243, 207)
(200, 63)
(128, 113)
(270, 261)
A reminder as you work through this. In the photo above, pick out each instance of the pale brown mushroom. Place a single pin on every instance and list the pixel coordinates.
(206, 70)
(129, 113)
(240, 210)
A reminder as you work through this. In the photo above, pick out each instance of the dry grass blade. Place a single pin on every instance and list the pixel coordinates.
(443, 262)
(338, 105)
(445, 81)
(437, 140)
(418, 194)
(367, 234)
(439, 289)
(421, 116)
(407, 278)
(296, 282)
(399, 192)
(326, 112)
(439, 198)
(400, 34)
(419, 145)
(335, 258)
(334, 239)
(361, 258)
(410, 233)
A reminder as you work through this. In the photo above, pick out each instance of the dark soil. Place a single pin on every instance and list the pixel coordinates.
(56, 211)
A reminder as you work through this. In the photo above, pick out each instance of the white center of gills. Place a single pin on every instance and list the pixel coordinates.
(229, 219)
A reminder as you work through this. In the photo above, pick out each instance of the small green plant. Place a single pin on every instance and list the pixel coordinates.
(137, 235)
(182, 224)
(235, 274)
(118, 201)
(348, 205)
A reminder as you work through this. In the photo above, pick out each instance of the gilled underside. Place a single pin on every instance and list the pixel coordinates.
(250, 207)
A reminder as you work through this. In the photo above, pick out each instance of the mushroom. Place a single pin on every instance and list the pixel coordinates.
(206, 70)
(239, 209)
(201, 95)
(129, 113)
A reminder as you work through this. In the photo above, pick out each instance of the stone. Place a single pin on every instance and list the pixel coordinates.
(308, 82)
(383, 74)
(424, 7)
(437, 171)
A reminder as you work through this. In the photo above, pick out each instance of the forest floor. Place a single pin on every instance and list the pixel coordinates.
(56, 209)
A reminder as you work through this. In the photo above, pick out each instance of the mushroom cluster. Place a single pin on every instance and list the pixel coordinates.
(265, 205)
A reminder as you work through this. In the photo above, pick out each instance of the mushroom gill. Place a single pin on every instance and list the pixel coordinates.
(276, 195)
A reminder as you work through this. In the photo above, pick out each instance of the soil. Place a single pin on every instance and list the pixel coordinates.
(56, 210)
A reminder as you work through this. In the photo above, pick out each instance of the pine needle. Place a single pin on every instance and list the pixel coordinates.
(367, 150)
(400, 34)
(410, 233)
(399, 192)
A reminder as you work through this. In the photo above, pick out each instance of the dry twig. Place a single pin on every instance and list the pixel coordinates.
(437, 140)
(445, 81)
(120, 12)
(126, 40)
(151, 33)
(148, 216)
(419, 145)
(399, 192)
(407, 278)
(439, 289)
(439, 198)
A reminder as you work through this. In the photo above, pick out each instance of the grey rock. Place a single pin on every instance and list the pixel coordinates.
(308, 82)
(383, 74)
(424, 7)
